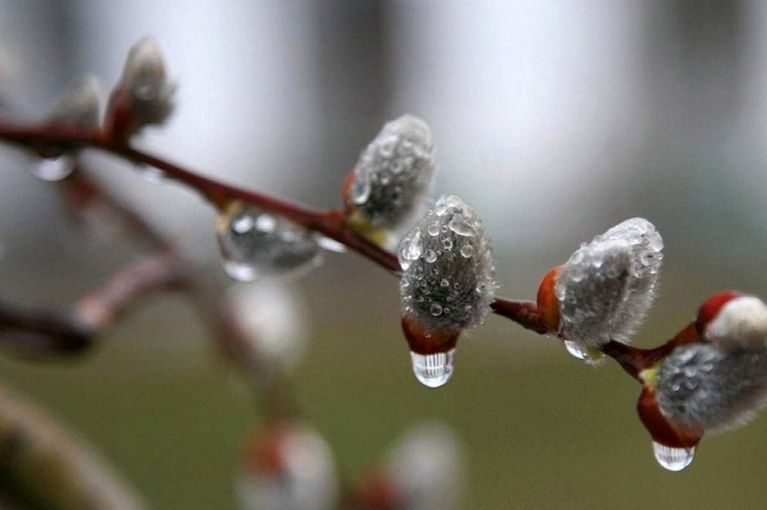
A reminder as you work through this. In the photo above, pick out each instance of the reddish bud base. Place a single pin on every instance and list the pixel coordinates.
(422, 341)
(660, 429)
(711, 307)
(548, 304)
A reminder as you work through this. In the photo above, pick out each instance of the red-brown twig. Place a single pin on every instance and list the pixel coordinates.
(327, 223)
(81, 192)
(39, 331)
(43, 465)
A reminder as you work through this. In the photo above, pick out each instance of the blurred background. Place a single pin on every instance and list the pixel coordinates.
(555, 120)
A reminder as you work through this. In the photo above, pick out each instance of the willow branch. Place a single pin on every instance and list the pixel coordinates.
(80, 192)
(328, 223)
(39, 331)
(44, 466)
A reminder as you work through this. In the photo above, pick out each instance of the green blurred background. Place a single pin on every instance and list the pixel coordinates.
(556, 120)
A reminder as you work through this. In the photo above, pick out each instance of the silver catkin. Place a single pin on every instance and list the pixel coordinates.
(447, 268)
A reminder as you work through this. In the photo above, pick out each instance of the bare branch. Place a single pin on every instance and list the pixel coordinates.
(46, 466)
(329, 223)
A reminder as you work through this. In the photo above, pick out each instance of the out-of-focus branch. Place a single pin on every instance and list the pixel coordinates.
(44, 466)
(81, 192)
(39, 332)
(35, 331)
(328, 223)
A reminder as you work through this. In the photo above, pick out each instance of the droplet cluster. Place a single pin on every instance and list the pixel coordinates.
(647, 247)
(394, 173)
(607, 286)
(710, 387)
(255, 243)
(591, 288)
(447, 268)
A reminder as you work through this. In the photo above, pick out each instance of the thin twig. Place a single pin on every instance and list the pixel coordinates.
(44, 466)
(328, 223)
(39, 331)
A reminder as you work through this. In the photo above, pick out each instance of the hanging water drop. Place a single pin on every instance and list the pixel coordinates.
(266, 223)
(151, 174)
(574, 349)
(673, 459)
(255, 243)
(329, 244)
(467, 251)
(433, 370)
(53, 169)
(361, 188)
(430, 256)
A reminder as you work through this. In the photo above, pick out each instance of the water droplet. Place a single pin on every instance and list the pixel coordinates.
(433, 370)
(239, 271)
(467, 251)
(430, 256)
(435, 309)
(460, 226)
(574, 349)
(329, 244)
(673, 459)
(414, 247)
(266, 223)
(577, 274)
(361, 187)
(53, 169)
(447, 243)
(242, 225)
(151, 174)
(446, 203)
(444, 283)
(433, 228)
(253, 243)
(387, 147)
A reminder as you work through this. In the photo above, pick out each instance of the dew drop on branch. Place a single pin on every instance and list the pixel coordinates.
(433, 370)
(582, 352)
(254, 243)
(673, 459)
(574, 349)
(151, 174)
(53, 169)
(329, 244)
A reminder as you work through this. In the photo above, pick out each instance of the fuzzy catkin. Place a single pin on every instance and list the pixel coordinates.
(447, 268)
(710, 387)
(394, 173)
(145, 78)
(607, 286)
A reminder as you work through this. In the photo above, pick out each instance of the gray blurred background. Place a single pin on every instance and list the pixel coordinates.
(555, 120)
